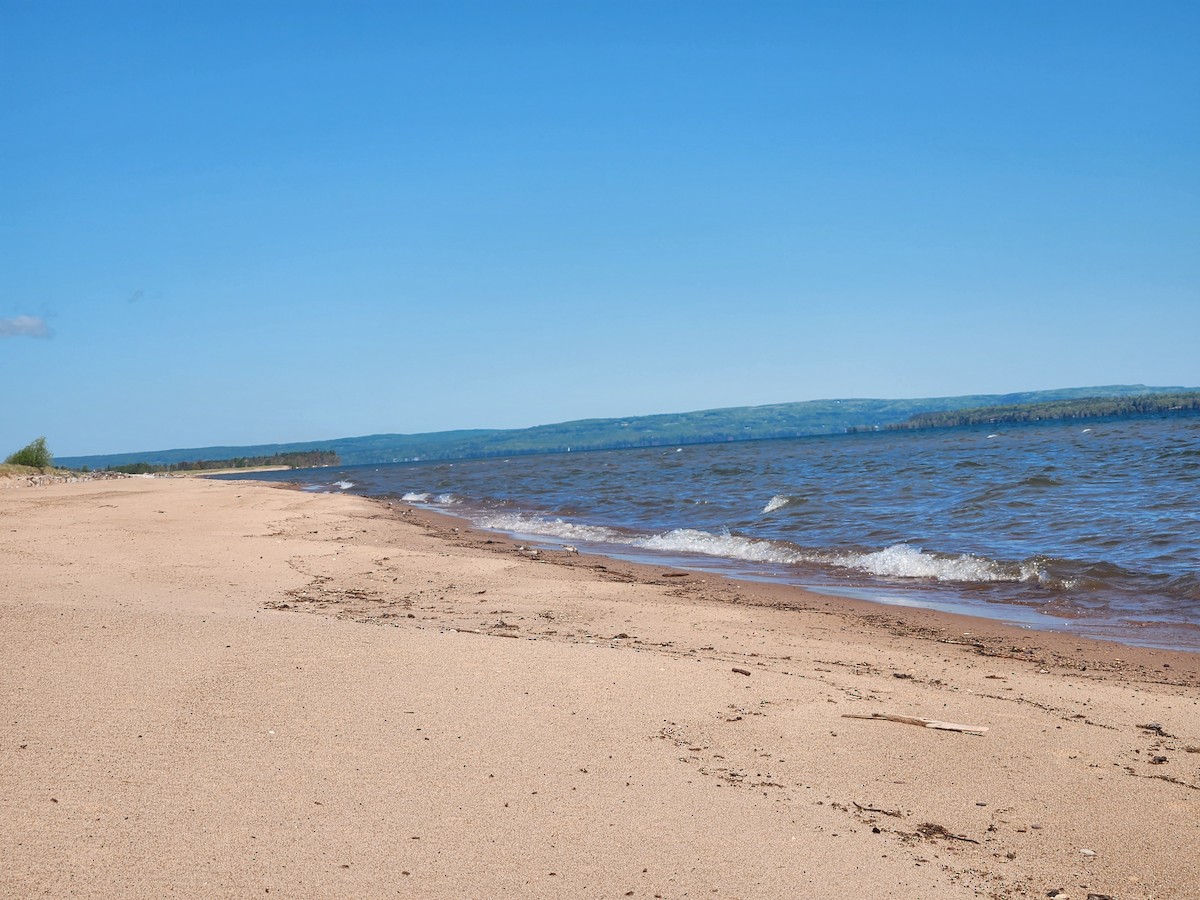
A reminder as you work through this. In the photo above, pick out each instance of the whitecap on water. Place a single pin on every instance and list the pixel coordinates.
(522, 523)
(777, 502)
(906, 561)
(729, 546)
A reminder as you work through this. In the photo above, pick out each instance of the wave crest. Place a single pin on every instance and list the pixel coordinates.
(730, 546)
(426, 497)
(522, 523)
(779, 501)
(896, 561)
(906, 561)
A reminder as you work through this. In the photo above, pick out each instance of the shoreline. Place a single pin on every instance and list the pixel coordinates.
(876, 603)
(218, 688)
(1062, 609)
(988, 637)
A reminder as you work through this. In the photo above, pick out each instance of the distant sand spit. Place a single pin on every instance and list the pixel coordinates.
(216, 689)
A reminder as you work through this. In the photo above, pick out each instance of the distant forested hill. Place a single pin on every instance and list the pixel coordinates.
(1091, 408)
(781, 420)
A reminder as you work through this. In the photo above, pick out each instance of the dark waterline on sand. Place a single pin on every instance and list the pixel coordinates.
(1091, 528)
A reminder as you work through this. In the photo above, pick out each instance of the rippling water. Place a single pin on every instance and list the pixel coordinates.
(1092, 528)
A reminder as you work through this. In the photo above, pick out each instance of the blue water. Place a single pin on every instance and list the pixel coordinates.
(1092, 528)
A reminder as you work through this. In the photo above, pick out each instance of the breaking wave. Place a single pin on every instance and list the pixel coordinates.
(779, 501)
(896, 561)
(426, 497)
(522, 523)
(728, 546)
(906, 561)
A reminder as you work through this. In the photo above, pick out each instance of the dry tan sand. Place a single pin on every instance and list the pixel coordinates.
(220, 689)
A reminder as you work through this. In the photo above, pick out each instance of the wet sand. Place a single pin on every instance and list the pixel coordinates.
(215, 689)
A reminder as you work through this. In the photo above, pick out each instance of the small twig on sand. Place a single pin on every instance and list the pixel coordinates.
(894, 813)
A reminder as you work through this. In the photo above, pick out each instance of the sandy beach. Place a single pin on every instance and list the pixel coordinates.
(227, 689)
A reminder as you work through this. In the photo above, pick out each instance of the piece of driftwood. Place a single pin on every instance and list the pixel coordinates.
(918, 720)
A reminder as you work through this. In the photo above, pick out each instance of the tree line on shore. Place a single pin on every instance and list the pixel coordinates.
(307, 459)
(36, 455)
(1090, 408)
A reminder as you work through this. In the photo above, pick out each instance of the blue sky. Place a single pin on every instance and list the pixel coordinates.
(256, 222)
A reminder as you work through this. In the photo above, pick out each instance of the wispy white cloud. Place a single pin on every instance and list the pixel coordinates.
(24, 326)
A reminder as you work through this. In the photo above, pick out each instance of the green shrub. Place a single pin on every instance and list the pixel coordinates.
(34, 454)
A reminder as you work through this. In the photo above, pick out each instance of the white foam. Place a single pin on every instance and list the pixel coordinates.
(896, 561)
(1034, 571)
(425, 497)
(906, 561)
(520, 523)
(343, 485)
(777, 502)
(730, 546)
